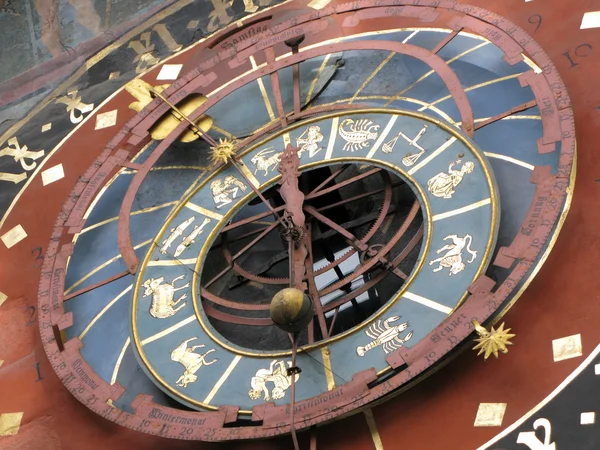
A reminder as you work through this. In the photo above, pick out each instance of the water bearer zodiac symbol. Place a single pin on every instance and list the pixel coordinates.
(163, 294)
(409, 159)
(385, 335)
(276, 374)
(185, 356)
(443, 184)
(225, 190)
(263, 162)
(453, 257)
(309, 141)
(358, 133)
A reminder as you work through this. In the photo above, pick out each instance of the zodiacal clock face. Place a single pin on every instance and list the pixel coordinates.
(406, 165)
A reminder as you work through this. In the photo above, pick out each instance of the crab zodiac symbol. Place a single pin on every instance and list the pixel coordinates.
(453, 257)
(263, 162)
(225, 190)
(162, 293)
(386, 335)
(358, 133)
(309, 141)
(276, 374)
(185, 356)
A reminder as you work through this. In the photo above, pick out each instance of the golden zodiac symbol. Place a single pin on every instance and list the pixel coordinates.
(189, 239)
(276, 374)
(175, 233)
(386, 335)
(443, 184)
(309, 141)
(453, 258)
(358, 133)
(224, 191)
(263, 162)
(163, 295)
(409, 159)
(192, 362)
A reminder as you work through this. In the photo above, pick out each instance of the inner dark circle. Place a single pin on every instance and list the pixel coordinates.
(351, 279)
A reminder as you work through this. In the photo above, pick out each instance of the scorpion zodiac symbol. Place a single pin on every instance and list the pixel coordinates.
(385, 335)
(357, 134)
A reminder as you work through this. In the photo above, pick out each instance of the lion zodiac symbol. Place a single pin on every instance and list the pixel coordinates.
(163, 294)
(453, 258)
(225, 190)
(192, 362)
(276, 374)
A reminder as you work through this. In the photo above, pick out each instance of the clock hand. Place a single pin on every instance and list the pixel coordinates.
(294, 218)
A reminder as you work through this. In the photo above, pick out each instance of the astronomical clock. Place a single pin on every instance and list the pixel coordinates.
(271, 225)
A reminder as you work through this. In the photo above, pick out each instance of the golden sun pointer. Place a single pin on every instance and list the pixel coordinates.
(493, 341)
(223, 151)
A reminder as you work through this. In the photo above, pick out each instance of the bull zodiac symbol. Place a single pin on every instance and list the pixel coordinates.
(385, 335)
(225, 190)
(192, 362)
(442, 185)
(163, 305)
(263, 162)
(358, 134)
(453, 258)
(276, 374)
(309, 141)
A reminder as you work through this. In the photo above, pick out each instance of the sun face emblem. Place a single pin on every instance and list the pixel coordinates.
(223, 151)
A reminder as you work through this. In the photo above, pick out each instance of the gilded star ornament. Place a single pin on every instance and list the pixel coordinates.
(493, 341)
(223, 151)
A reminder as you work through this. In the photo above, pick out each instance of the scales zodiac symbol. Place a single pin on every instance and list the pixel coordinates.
(409, 159)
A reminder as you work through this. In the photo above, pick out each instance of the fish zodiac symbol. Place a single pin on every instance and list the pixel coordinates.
(386, 335)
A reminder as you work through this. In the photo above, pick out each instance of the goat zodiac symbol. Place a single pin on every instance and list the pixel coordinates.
(225, 190)
(385, 335)
(453, 258)
(192, 362)
(276, 374)
(358, 134)
(309, 141)
(163, 294)
(263, 162)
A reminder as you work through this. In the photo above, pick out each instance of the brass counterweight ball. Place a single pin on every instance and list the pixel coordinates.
(291, 310)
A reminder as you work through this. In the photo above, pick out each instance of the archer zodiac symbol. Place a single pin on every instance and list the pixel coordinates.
(175, 233)
(385, 335)
(276, 374)
(443, 184)
(225, 190)
(163, 294)
(453, 257)
(309, 141)
(358, 133)
(263, 162)
(192, 362)
(409, 159)
(190, 238)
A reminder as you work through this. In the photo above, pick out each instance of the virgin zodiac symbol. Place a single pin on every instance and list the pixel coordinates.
(443, 184)
(276, 374)
(185, 356)
(358, 133)
(386, 335)
(453, 257)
